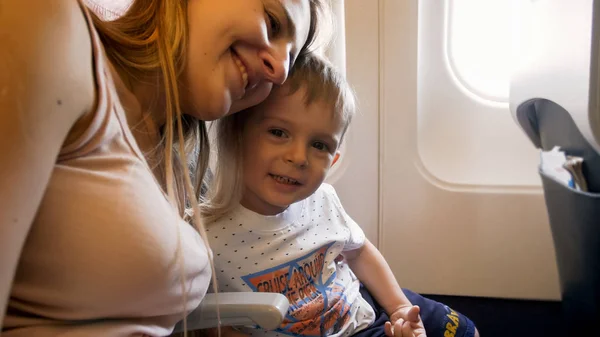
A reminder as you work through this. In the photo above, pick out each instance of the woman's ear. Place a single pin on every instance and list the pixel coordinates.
(337, 156)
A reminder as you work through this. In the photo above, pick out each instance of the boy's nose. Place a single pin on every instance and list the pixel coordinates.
(297, 156)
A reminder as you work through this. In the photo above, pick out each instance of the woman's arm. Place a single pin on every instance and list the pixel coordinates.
(372, 270)
(46, 85)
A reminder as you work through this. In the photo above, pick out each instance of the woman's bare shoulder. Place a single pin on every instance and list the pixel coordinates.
(47, 53)
(46, 85)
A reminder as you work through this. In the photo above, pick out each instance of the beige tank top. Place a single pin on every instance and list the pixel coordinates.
(100, 259)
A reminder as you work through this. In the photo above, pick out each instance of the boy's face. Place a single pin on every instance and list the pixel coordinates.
(288, 150)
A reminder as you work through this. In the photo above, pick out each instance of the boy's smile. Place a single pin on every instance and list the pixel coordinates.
(288, 148)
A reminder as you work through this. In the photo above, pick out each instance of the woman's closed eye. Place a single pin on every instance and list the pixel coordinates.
(273, 23)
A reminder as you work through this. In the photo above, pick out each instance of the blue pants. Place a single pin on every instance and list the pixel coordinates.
(439, 320)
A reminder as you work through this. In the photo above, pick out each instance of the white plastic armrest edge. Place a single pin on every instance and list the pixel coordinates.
(266, 310)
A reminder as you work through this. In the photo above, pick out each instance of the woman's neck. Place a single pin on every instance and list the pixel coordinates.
(149, 93)
(143, 108)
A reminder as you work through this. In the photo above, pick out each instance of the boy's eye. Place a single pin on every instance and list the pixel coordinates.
(274, 24)
(320, 146)
(277, 132)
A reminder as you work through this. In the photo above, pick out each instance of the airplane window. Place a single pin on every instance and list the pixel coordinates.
(478, 45)
(466, 134)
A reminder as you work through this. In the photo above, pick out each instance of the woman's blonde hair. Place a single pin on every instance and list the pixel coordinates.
(320, 82)
(152, 36)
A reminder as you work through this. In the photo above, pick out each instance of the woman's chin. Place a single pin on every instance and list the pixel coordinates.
(253, 97)
(239, 105)
(212, 111)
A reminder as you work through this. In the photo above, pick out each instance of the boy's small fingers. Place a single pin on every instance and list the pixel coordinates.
(388, 329)
(413, 314)
(407, 330)
(398, 329)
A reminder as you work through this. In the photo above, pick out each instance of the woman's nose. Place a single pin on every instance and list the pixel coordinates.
(275, 65)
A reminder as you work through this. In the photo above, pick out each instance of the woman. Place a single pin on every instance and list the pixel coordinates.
(100, 123)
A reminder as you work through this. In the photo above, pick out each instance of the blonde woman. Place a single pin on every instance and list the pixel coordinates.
(103, 145)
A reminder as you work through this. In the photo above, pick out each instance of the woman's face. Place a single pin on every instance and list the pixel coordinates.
(237, 50)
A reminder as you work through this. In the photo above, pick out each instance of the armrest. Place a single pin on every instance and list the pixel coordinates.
(266, 310)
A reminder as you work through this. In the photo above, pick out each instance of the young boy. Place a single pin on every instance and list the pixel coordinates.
(274, 226)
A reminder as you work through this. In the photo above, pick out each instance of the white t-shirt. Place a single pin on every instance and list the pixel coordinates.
(293, 253)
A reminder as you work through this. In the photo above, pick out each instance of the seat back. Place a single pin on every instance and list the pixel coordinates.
(574, 215)
(554, 95)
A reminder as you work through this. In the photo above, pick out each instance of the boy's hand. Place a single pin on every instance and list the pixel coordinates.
(405, 322)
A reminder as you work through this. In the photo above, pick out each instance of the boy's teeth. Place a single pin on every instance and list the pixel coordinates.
(285, 180)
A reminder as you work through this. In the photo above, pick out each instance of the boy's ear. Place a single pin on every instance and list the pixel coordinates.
(337, 156)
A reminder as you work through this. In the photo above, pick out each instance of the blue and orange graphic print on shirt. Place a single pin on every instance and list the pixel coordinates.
(317, 307)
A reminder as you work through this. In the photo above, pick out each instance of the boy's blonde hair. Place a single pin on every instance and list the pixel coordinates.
(320, 83)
